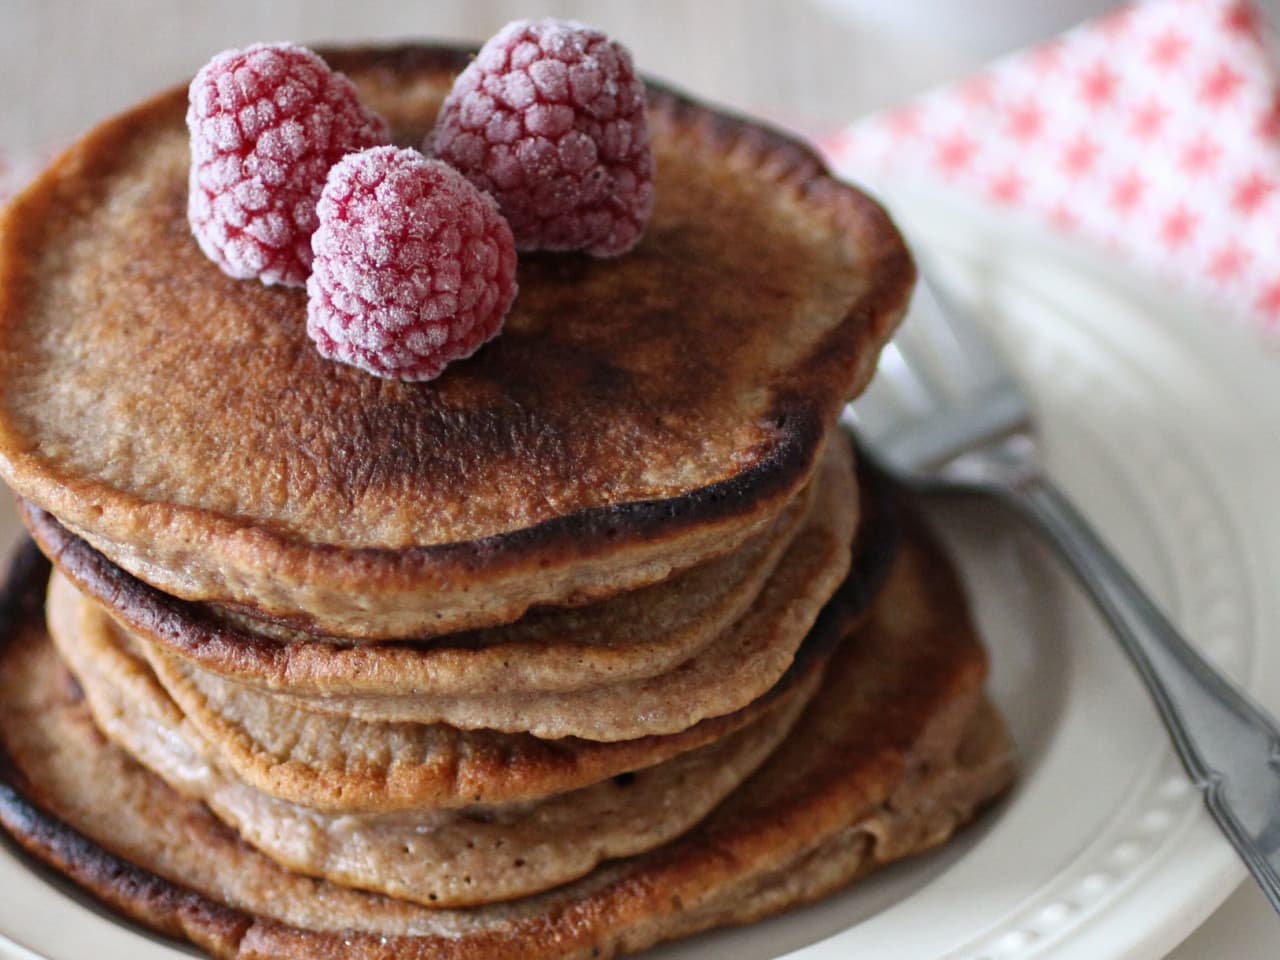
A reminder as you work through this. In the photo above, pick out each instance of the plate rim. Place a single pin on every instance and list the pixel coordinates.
(1229, 347)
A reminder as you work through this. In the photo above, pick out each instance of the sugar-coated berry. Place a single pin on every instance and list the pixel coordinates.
(414, 267)
(267, 123)
(550, 119)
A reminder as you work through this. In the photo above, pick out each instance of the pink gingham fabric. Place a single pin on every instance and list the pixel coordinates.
(1153, 132)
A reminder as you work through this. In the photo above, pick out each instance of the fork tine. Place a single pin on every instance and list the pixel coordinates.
(953, 322)
(930, 312)
(930, 356)
(927, 345)
(941, 389)
(878, 410)
(910, 389)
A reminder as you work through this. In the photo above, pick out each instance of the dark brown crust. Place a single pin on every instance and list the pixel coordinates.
(142, 897)
(798, 414)
(936, 694)
(20, 594)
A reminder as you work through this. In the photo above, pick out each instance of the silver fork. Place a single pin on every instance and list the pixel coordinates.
(946, 414)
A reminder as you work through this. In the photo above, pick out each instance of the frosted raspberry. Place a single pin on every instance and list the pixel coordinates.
(414, 267)
(267, 123)
(549, 118)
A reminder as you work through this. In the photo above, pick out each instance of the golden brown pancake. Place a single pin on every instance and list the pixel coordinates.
(734, 669)
(639, 415)
(631, 636)
(896, 750)
(327, 763)
(460, 857)
(358, 767)
(344, 764)
(626, 637)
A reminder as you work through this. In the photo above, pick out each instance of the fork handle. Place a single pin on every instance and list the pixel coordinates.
(1229, 746)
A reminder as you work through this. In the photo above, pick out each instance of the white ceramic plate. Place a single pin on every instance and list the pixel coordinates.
(1163, 422)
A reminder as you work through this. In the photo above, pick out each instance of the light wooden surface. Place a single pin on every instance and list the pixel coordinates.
(65, 64)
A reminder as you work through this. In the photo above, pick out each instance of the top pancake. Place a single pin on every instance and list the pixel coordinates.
(637, 415)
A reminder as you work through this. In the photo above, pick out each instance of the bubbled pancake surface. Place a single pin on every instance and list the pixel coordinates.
(451, 857)
(638, 414)
(896, 750)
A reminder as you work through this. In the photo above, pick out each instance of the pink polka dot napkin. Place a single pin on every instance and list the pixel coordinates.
(1153, 132)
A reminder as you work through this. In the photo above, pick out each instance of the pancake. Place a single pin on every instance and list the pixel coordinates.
(439, 858)
(896, 750)
(739, 666)
(319, 761)
(328, 763)
(638, 415)
(341, 763)
(634, 635)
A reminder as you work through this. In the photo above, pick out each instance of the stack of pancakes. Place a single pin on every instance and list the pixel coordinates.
(595, 641)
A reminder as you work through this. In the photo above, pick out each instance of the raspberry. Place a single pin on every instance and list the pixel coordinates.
(267, 123)
(414, 267)
(549, 118)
